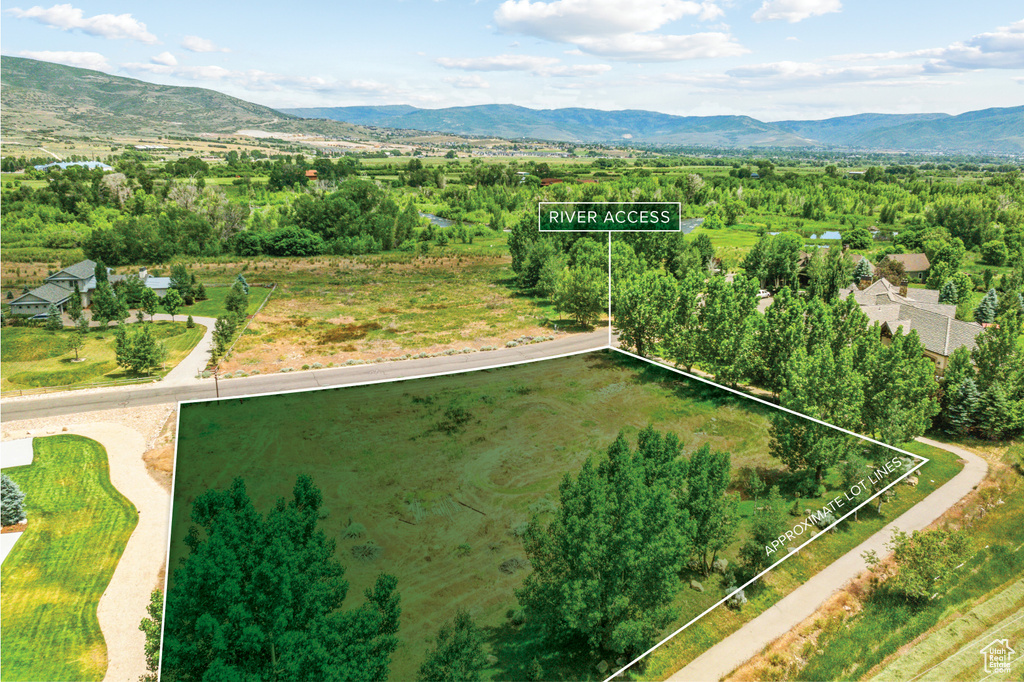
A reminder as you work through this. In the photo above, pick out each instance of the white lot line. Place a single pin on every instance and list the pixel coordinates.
(797, 549)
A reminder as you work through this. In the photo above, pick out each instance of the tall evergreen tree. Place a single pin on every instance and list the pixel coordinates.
(948, 293)
(54, 323)
(994, 417)
(74, 306)
(12, 501)
(986, 311)
(962, 412)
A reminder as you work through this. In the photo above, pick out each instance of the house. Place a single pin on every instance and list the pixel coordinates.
(311, 174)
(57, 288)
(916, 265)
(91, 165)
(918, 310)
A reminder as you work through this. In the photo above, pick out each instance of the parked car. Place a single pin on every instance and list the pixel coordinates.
(763, 293)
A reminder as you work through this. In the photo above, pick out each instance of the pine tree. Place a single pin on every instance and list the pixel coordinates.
(962, 412)
(949, 293)
(457, 655)
(53, 319)
(12, 502)
(994, 417)
(862, 271)
(74, 306)
(986, 311)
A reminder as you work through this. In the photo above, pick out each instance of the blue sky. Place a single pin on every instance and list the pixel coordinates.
(770, 59)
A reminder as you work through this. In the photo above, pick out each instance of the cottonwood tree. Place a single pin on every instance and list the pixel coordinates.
(150, 302)
(76, 340)
(899, 389)
(261, 597)
(105, 305)
(682, 336)
(644, 307)
(457, 655)
(802, 444)
(723, 323)
(606, 569)
(712, 512)
(768, 523)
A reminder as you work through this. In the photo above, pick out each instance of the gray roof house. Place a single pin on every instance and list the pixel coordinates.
(57, 288)
(919, 310)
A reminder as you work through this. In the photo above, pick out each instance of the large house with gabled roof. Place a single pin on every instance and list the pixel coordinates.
(900, 311)
(57, 288)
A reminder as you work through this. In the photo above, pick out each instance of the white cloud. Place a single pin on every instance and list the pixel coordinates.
(83, 60)
(1000, 49)
(467, 82)
(258, 80)
(619, 29)
(68, 18)
(795, 10)
(539, 66)
(197, 44)
(164, 58)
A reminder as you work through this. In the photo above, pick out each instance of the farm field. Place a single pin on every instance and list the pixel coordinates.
(78, 526)
(489, 449)
(34, 357)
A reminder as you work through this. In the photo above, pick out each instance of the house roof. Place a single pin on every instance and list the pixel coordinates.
(912, 262)
(882, 292)
(938, 333)
(158, 282)
(50, 293)
(81, 270)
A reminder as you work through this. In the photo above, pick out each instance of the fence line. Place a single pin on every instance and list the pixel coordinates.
(248, 321)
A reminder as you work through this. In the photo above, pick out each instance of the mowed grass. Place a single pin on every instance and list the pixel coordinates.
(33, 357)
(213, 306)
(445, 502)
(78, 525)
(874, 643)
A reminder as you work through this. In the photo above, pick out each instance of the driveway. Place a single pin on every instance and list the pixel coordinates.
(791, 610)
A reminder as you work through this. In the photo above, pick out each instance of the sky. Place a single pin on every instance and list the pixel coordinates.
(769, 59)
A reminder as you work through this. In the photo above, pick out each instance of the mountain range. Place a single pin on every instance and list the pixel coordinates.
(989, 130)
(64, 100)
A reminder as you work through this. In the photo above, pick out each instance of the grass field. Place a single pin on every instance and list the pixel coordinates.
(213, 306)
(330, 309)
(34, 357)
(54, 577)
(445, 504)
(894, 640)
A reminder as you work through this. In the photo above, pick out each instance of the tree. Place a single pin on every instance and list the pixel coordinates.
(151, 627)
(924, 561)
(100, 271)
(137, 350)
(712, 512)
(766, 525)
(223, 331)
(180, 280)
(12, 505)
(105, 305)
(948, 293)
(260, 597)
(644, 308)
(828, 274)
(237, 300)
(581, 293)
(406, 223)
(858, 238)
(986, 311)
(54, 323)
(172, 302)
(962, 407)
(994, 252)
(994, 417)
(606, 569)
(457, 655)
(862, 271)
(802, 444)
(856, 475)
(76, 341)
(682, 339)
(150, 302)
(240, 279)
(200, 292)
(723, 323)
(74, 306)
(891, 270)
(899, 389)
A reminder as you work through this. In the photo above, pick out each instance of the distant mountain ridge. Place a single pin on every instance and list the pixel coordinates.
(989, 130)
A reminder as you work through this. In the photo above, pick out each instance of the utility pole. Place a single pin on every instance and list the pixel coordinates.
(216, 382)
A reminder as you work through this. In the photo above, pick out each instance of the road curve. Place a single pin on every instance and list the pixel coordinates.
(791, 610)
(73, 402)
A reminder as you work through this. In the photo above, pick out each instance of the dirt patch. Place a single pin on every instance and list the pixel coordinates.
(348, 332)
(159, 458)
(15, 528)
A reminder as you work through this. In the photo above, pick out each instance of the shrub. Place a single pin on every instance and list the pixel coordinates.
(12, 509)
(190, 323)
(737, 600)
(353, 531)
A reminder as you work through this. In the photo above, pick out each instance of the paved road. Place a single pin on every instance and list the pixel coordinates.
(73, 402)
(791, 610)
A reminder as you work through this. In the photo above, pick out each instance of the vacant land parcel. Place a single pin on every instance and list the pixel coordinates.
(441, 475)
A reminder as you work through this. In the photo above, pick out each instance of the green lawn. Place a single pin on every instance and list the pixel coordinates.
(33, 357)
(213, 306)
(54, 577)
